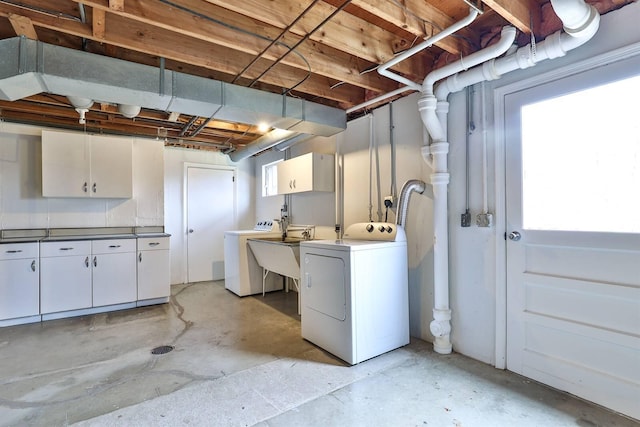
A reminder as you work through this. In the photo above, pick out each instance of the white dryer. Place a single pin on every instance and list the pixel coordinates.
(354, 292)
(242, 274)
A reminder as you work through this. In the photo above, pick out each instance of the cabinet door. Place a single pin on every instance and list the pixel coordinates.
(295, 175)
(114, 278)
(19, 288)
(111, 167)
(153, 274)
(284, 177)
(65, 283)
(65, 168)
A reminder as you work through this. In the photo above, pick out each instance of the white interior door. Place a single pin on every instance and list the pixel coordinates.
(210, 212)
(573, 236)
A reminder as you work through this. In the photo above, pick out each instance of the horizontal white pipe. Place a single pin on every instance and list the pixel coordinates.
(380, 98)
(554, 46)
(384, 68)
(507, 37)
(410, 85)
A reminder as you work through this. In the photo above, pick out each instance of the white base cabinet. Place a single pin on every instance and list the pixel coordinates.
(55, 279)
(153, 268)
(19, 280)
(114, 271)
(83, 274)
(65, 276)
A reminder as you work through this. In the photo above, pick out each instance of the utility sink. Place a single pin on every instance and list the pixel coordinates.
(277, 255)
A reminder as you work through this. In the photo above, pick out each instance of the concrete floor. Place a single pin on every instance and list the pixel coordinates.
(241, 361)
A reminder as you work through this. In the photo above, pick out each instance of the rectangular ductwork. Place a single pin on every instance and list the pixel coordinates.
(31, 67)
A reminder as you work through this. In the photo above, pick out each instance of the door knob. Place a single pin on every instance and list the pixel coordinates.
(191, 230)
(515, 236)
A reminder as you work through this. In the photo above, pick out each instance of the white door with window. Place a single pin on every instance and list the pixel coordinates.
(210, 212)
(573, 234)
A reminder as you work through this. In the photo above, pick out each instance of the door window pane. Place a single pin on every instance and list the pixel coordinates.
(581, 160)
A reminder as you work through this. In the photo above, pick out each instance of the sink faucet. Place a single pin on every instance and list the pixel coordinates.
(282, 223)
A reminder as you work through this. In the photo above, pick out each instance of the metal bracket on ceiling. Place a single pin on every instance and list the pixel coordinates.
(477, 5)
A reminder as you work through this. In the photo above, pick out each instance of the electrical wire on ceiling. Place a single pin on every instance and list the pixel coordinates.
(276, 40)
(247, 32)
(302, 40)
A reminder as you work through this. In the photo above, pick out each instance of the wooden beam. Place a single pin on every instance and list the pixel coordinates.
(99, 24)
(344, 32)
(155, 41)
(420, 18)
(23, 26)
(116, 5)
(322, 60)
(520, 13)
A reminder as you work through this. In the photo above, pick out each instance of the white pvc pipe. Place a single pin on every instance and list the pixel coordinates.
(434, 109)
(384, 68)
(410, 85)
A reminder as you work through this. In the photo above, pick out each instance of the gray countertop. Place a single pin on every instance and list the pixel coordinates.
(70, 234)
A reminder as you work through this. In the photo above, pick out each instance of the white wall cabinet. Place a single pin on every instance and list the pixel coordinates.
(309, 172)
(19, 280)
(82, 165)
(153, 268)
(65, 276)
(113, 266)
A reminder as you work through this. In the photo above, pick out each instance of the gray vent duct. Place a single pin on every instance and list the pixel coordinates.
(266, 141)
(29, 67)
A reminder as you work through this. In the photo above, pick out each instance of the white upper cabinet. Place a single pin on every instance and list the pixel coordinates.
(111, 167)
(81, 165)
(309, 172)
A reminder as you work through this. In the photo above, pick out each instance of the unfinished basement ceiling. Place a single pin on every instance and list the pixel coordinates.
(324, 52)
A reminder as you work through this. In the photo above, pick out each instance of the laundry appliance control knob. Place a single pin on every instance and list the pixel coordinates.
(369, 228)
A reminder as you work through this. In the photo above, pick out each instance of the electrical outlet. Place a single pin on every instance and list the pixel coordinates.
(465, 219)
(484, 220)
(388, 201)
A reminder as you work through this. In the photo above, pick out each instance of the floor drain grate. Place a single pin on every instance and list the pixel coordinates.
(163, 349)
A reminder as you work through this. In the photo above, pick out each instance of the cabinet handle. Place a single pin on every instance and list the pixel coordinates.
(290, 184)
(85, 187)
(114, 246)
(66, 249)
(33, 265)
(86, 262)
(95, 261)
(154, 243)
(17, 251)
(294, 183)
(93, 188)
(140, 257)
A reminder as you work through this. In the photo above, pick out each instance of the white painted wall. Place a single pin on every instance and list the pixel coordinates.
(174, 184)
(22, 204)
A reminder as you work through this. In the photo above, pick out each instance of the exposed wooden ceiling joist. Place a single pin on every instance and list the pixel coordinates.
(338, 46)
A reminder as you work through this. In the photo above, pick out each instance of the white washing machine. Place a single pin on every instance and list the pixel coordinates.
(242, 274)
(354, 292)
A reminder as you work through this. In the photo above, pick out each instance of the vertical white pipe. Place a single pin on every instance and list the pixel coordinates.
(485, 184)
(433, 111)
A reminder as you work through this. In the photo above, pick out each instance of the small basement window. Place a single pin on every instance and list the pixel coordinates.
(270, 179)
